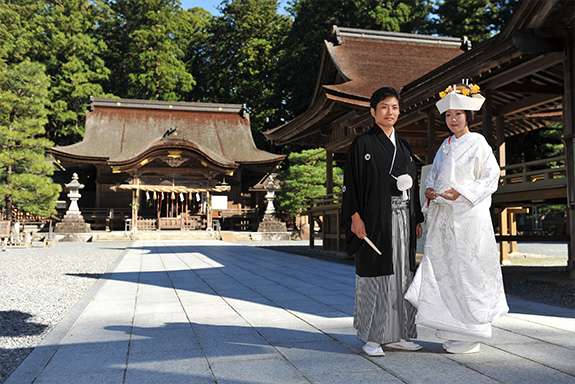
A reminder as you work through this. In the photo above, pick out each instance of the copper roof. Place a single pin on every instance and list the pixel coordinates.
(355, 63)
(119, 131)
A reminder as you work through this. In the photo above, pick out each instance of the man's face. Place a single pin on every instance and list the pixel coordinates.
(386, 113)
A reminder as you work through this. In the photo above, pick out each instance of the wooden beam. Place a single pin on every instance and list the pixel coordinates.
(412, 118)
(522, 70)
(526, 103)
(556, 194)
(487, 116)
(529, 43)
(532, 89)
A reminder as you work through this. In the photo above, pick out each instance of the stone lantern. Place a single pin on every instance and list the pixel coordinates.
(271, 227)
(73, 222)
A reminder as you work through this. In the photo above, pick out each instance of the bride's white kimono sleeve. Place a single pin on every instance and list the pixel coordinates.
(458, 287)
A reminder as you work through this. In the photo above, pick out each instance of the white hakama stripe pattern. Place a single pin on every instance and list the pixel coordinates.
(382, 315)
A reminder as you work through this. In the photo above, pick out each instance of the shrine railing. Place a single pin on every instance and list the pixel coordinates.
(536, 174)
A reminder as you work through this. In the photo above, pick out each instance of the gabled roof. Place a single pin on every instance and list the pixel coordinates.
(120, 131)
(355, 63)
(368, 60)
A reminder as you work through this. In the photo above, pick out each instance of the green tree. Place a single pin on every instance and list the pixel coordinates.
(144, 51)
(66, 44)
(16, 31)
(479, 20)
(538, 144)
(25, 171)
(501, 11)
(193, 40)
(241, 57)
(305, 177)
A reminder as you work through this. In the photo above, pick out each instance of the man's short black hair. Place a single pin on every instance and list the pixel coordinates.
(382, 94)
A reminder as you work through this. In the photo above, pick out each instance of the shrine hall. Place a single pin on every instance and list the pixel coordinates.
(157, 165)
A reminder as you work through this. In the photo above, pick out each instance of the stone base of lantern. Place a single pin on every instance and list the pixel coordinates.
(271, 228)
(72, 223)
(73, 237)
(270, 236)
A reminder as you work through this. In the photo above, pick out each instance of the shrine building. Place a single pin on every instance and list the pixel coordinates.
(153, 165)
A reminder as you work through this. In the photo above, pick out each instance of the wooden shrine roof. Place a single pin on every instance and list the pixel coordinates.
(355, 63)
(124, 132)
(520, 72)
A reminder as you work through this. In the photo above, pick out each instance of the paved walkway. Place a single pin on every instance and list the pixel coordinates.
(215, 312)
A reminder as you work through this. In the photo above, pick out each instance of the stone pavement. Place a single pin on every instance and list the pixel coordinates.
(214, 312)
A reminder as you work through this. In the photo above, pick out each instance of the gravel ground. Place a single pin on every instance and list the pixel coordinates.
(38, 286)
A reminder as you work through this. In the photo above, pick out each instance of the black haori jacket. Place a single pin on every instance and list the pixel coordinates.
(368, 188)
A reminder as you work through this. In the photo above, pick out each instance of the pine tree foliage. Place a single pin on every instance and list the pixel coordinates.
(25, 171)
(534, 145)
(305, 177)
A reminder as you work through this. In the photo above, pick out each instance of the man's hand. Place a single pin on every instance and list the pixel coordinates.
(357, 226)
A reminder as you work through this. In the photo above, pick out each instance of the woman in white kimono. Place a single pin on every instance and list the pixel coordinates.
(458, 287)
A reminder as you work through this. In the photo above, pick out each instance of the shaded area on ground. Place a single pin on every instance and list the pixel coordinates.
(530, 277)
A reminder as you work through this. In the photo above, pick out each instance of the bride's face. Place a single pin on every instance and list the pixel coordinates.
(456, 121)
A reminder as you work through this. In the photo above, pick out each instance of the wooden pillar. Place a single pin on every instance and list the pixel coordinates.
(569, 135)
(209, 224)
(311, 230)
(501, 147)
(487, 113)
(135, 201)
(430, 136)
(98, 187)
(159, 208)
(329, 172)
(339, 242)
(512, 232)
(512, 222)
(503, 245)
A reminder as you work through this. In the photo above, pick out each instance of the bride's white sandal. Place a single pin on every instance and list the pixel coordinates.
(405, 345)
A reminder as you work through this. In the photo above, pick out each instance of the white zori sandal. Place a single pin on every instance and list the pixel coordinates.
(373, 349)
(404, 345)
(462, 347)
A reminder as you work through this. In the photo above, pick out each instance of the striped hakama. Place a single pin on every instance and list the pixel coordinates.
(382, 315)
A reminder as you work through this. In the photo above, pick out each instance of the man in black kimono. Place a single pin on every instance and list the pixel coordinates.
(381, 201)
